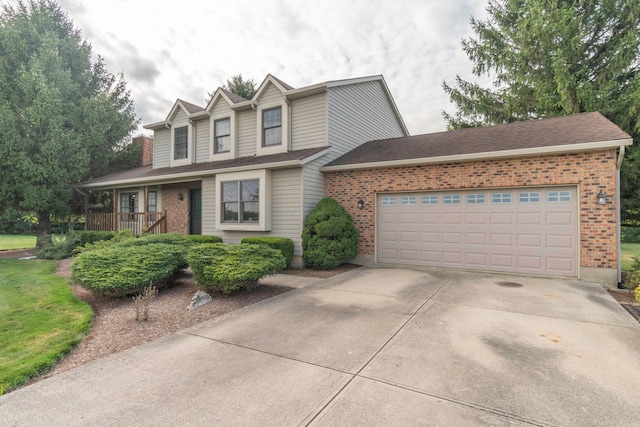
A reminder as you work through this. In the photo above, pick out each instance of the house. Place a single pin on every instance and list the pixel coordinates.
(238, 167)
(537, 197)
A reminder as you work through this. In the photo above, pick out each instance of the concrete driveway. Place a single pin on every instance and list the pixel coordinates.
(371, 347)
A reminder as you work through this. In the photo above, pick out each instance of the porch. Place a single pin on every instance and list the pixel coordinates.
(137, 222)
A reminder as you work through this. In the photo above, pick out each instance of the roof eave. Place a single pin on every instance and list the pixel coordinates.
(558, 149)
(156, 126)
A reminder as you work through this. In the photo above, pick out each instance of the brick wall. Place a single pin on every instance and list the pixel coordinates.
(177, 210)
(592, 172)
(146, 153)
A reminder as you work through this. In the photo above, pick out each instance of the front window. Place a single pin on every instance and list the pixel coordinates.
(180, 142)
(128, 205)
(222, 136)
(272, 127)
(241, 201)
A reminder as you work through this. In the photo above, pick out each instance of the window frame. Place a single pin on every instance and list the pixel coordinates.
(263, 176)
(224, 155)
(189, 158)
(216, 137)
(240, 201)
(268, 128)
(285, 143)
(451, 199)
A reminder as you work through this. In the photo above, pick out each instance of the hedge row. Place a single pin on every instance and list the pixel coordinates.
(283, 245)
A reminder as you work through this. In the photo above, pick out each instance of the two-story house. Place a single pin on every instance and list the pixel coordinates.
(248, 167)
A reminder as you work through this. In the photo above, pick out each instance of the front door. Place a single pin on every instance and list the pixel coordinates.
(195, 211)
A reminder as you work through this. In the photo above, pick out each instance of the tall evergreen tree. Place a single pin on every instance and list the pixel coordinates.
(556, 57)
(63, 117)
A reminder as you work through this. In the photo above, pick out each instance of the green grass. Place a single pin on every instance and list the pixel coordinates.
(629, 250)
(16, 241)
(41, 320)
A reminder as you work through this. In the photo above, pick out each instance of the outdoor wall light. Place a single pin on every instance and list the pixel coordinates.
(360, 204)
(180, 196)
(602, 198)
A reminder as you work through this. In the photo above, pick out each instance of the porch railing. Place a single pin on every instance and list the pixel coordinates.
(137, 222)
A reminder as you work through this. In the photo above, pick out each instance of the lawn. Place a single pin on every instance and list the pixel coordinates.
(41, 320)
(629, 250)
(16, 241)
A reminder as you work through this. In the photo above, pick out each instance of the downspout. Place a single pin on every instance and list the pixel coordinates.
(289, 142)
(194, 139)
(618, 214)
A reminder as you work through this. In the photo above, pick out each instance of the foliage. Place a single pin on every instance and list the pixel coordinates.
(629, 252)
(637, 293)
(142, 301)
(59, 246)
(63, 116)
(16, 241)
(232, 268)
(66, 245)
(122, 270)
(13, 222)
(236, 84)
(199, 238)
(285, 246)
(329, 237)
(41, 320)
(550, 59)
(630, 235)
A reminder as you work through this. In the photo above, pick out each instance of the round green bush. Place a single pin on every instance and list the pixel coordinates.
(285, 246)
(125, 270)
(229, 268)
(329, 237)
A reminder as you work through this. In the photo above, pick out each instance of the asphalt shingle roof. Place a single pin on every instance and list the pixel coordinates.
(566, 130)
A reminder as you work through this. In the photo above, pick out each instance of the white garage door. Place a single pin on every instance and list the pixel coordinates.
(522, 230)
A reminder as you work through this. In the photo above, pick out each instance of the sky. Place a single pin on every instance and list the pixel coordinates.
(184, 49)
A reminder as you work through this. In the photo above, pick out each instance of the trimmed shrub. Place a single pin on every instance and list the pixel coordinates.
(198, 238)
(637, 293)
(92, 236)
(229, 268)
(329, 237)
(630, 235)
(126, 270)
(283, 245)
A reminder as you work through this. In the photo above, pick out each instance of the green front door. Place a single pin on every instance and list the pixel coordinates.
(195, 211)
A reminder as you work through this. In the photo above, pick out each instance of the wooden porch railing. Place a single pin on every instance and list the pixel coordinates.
(138, 222)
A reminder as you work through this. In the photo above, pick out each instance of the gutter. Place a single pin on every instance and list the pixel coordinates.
(619, 214)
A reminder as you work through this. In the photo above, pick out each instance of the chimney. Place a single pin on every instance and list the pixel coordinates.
(146, 153)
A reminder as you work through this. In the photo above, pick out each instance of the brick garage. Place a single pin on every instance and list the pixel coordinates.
(355, 177)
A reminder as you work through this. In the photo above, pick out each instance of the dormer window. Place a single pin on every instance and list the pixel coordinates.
(222, 136)
(272, 127)
(180, 143)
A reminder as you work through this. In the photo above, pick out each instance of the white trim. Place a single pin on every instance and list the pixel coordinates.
(264, 223)
(586, 146)
(190, 137)
(265, 83)
(284, 112)
(231, 154)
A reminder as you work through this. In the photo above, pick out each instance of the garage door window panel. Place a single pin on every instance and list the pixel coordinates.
(475, 199)
(559, 196)
(409, 200)
(452, 199)
(499, 198)
(388, 201)
(430, 199)
(529, 197)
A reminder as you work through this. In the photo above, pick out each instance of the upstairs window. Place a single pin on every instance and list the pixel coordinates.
(180, 142)
(272, 127)
(222, 136)
(240, 201)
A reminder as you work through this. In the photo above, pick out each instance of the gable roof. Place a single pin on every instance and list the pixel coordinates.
(578, 132)
(146, 175)
(230, 97)
(282, 86)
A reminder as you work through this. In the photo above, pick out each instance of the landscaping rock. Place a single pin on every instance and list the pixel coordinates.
(199, 299)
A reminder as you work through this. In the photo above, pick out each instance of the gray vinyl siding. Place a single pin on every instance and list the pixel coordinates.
(161, 148)
(221, 108)
(246, 133)
(209, 206)
(286, 215)
(313, 187)
(271, 94)
(201, 128)
(359, 113)
(309, 122)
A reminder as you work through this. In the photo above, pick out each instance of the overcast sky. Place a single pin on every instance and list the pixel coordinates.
(183, 49)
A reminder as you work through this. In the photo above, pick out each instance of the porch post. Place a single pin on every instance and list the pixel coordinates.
(115, 209)
(146, 207)
(86, 210)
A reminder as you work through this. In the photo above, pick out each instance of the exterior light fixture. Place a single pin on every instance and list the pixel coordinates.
(180, 196)
(602, 198)
(360, 204)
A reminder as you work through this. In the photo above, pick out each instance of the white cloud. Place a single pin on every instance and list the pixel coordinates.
(185, 49)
